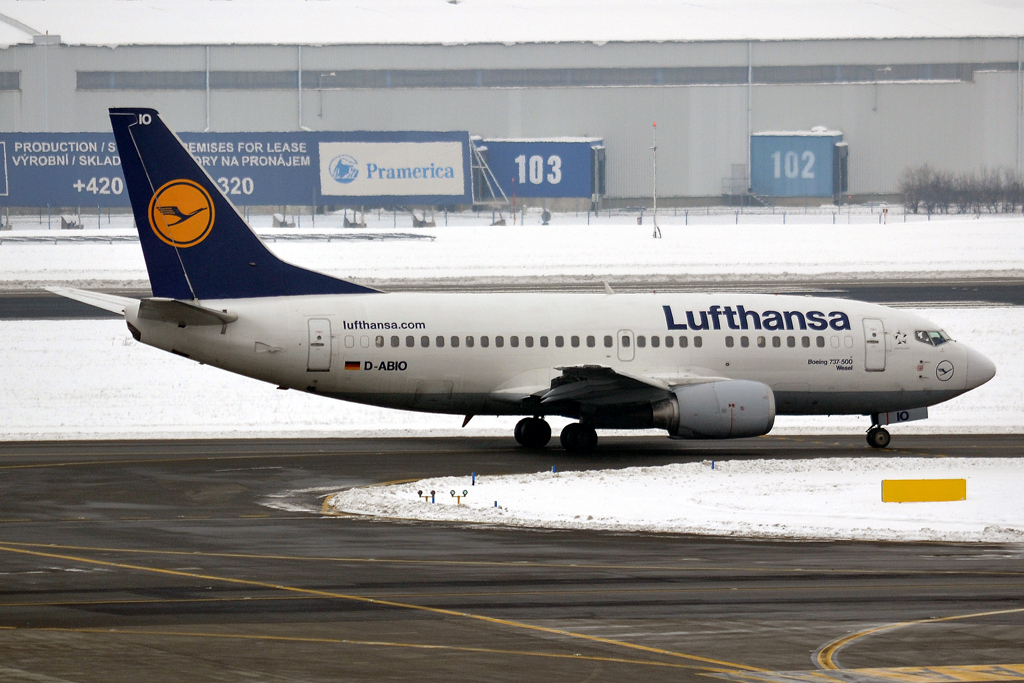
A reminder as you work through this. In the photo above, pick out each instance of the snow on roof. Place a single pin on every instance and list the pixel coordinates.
(331, 22)
(819, 131)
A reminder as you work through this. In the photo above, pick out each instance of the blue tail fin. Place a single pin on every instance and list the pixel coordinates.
(195, 243)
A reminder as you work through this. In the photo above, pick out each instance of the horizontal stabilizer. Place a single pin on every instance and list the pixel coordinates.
(183, 313)
(108, 302)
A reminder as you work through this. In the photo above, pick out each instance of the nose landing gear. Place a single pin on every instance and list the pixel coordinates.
(878, 437)
(533, 432)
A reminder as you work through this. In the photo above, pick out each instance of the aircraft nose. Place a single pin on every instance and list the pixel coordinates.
(979, 369)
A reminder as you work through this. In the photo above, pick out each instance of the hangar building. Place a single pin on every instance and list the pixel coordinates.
(906, 82)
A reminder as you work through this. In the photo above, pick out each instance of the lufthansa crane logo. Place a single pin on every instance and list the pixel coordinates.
(181, 213)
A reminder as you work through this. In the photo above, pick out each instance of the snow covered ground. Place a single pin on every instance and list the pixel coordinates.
(835, 498)
(710, 247)
(89, 379)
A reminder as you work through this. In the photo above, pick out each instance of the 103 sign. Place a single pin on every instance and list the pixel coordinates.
(557, 167)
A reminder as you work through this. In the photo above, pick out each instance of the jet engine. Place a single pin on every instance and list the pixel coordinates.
(729, 409)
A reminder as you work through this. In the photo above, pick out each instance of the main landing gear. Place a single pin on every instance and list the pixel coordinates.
(578, 438)
(878, 437)
(533, 432)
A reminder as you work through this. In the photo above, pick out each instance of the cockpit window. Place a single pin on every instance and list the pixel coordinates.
(932, 337)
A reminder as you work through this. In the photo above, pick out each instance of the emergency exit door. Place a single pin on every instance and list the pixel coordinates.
(319, 345)
(874, 345)
(625, 344)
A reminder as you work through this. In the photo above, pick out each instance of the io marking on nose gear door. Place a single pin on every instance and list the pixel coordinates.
(944, 371)
(181, 213)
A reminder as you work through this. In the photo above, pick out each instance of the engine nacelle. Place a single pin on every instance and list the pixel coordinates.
(730, 409)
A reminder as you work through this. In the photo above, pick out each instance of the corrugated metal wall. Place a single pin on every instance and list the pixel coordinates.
(702, 130)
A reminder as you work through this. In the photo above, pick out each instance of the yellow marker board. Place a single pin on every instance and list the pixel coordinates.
(923, 490)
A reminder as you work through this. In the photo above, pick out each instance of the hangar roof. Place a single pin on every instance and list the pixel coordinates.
(332, 22)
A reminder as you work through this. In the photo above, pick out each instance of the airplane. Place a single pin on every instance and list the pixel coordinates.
(699, 366)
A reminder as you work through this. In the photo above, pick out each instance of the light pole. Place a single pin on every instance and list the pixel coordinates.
(654, 213)
(320, 90)
(878, 71)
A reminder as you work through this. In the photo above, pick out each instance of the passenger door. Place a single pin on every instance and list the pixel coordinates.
(874, 345)
(319, 345)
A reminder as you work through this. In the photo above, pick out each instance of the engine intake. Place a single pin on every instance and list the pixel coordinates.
(730, 409)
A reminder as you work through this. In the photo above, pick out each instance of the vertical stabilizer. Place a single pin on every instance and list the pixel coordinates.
(195, 243)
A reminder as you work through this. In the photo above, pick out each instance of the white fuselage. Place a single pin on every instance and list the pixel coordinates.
(413, 350)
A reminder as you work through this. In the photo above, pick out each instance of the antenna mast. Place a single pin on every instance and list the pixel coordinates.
(657, 230)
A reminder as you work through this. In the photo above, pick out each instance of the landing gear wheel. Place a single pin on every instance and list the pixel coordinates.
(533, 432)
(578, 438)
(878, 437)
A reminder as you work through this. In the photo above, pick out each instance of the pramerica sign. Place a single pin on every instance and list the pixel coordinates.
(84, 169)
(422, 168)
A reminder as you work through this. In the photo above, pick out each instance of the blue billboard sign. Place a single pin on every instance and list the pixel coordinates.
(269, 169)
(555, 167)
(793, 164)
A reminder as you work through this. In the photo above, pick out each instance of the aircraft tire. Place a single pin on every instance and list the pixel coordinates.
(536, 433)
(578, 438)
(878, 437)
(570, 436)
(520, 430)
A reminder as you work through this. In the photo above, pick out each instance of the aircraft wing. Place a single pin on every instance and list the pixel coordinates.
(108, 302)
(597, 385)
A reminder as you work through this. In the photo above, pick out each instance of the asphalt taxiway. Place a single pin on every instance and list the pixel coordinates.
(210, 560)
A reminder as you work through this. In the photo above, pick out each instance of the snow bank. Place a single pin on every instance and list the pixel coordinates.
(70, 379)
(834, 498)
(711, 247)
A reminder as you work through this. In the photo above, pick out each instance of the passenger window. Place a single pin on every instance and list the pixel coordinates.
(469, 342)
(820, 341)
(394, 342)
(834, 341)
(776, 342)
(364, 341)
(744, 342)
(761, 342)
(791, 342)
(439, 342)
(529, 342)
(559, 342)
(424, 341)
(641, 342)
(625, 341)
(655, 342)
(591, 342)
(805, 342)
(350, 341)
(669, 341)
(379, 341)
(514, 342)
(485, 341)
(499, 342)
(683, 342)
(729, 342)
(544, 342)
(575, 341)
(848, 341)
(608, 341)
(455, 342)
(698, 342)
(410, 341)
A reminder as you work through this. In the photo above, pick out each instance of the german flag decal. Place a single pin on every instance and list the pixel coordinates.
(351, 365)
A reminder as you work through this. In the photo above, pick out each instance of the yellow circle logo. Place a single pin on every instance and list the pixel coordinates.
(181, 213)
